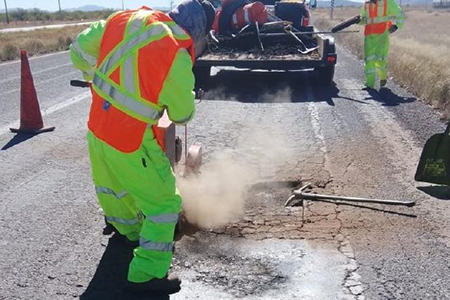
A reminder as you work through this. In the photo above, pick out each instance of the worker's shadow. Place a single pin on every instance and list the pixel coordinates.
(266, 87)
(110, 277)
(388, 98)
(326, 93)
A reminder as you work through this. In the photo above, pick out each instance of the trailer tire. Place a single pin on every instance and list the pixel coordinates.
(202, 75)
(325, 75)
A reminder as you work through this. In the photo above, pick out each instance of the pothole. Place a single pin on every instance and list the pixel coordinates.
(237, 275)
(267, 217)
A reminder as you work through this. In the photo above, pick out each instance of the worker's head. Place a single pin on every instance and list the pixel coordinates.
(194, 16)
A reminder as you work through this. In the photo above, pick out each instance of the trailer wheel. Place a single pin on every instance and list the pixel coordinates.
(325, 75)
(202, 75)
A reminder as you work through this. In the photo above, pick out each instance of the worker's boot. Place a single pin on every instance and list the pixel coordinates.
(164, 286)
(383, 82)
(109, 228)
(368, 88)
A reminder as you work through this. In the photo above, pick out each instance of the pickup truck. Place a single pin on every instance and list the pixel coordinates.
(300, 48)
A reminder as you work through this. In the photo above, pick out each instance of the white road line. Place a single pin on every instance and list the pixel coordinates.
(352, 279)
(38, 83)
(50, 110)
(315, 121)
(36, 73)
(33, 58)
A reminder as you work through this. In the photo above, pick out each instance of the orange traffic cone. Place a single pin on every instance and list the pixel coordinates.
(30, 113)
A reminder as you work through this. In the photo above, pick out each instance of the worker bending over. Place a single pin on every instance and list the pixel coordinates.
(140, 63)
(380, 17)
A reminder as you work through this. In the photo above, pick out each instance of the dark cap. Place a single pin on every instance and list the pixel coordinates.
(210, 14)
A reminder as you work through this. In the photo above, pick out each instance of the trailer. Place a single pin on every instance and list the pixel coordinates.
(289, 43)
(441, 4)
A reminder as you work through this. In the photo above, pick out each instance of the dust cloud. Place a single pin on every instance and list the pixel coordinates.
(218, 194)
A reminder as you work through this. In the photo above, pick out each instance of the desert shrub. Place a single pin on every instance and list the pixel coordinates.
(10, 52)
(61, 43)
(68, 41)
(34, 46)
(23, 15)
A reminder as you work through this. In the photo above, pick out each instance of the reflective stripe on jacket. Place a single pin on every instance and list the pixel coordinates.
(85, 50)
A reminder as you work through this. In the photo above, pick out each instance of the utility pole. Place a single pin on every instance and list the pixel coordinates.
(123, 7)
(331, 9)
(6, 11)
(59, 5)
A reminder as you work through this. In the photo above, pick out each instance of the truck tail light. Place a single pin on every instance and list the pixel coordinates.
(331, 58)
(305, 22)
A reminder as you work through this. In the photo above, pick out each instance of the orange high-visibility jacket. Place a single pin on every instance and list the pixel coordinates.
(144, 65)
(379, 16)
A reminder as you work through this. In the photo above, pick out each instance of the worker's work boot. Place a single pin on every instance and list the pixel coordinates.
(108, 229)
(164, 286)
(368, 88)
(383, 82)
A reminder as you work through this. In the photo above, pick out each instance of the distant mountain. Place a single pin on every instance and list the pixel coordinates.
(2, 11)
(338, 3)
(415, 2)
(97, 8)
(87, 8)
(82, 8)
(161, 8)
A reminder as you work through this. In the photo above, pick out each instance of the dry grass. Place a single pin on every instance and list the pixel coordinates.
(419, 56)
(21, 24)
(37, 41)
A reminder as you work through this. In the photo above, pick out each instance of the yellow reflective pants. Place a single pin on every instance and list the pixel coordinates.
(376, 52)
(138, 195)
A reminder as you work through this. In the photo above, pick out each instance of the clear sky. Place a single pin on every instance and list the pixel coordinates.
(53, 4)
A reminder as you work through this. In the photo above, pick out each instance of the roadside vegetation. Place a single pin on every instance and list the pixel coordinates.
(34, 17)
(419, 56)
(37, 41)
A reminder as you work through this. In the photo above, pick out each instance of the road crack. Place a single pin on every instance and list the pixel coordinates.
(352, 280)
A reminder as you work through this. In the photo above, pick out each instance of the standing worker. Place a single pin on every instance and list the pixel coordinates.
(381, 18)
(140, 64)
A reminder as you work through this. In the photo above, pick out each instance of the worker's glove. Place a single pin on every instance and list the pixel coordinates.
(393, 29)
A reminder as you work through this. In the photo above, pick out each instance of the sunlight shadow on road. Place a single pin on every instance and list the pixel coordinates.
(17, 139)
(262, 87)
(441, 192)
(110, 278)
(388, 98)
(386, 211)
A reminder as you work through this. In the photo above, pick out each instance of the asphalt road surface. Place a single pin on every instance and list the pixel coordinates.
(288, 131)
